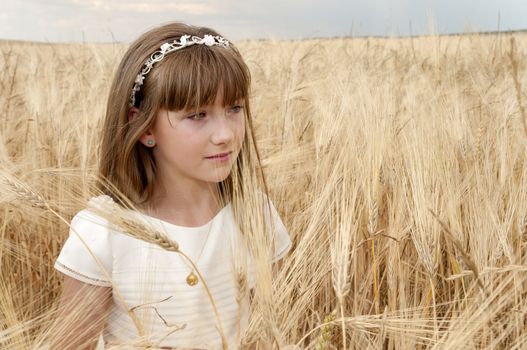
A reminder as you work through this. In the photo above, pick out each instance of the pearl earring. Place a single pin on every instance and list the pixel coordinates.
(150, 142)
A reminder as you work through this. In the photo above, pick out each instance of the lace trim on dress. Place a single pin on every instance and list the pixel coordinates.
(81, 276)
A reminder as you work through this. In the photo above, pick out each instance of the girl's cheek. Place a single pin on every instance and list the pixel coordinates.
(193, 127)
(241, 131)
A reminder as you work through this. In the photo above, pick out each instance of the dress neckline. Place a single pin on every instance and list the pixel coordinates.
(187, 228)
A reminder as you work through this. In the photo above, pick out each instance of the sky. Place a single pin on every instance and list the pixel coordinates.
(124, 20)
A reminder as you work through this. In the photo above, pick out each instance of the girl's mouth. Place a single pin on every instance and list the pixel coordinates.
(220, 156)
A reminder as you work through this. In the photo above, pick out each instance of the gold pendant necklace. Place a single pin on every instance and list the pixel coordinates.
(192, 279)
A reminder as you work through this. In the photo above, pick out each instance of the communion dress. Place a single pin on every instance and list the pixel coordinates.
(152, 282)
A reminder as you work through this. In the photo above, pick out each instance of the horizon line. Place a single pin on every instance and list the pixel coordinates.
(345, 36)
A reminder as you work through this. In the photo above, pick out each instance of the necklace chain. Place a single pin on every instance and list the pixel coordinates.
(192, 279)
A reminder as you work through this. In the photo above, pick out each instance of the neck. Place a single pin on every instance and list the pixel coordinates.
(184, 202)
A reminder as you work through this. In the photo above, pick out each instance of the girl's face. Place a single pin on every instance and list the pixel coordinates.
(198, 145)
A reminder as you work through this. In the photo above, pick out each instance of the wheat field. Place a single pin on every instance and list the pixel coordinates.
(398, 166)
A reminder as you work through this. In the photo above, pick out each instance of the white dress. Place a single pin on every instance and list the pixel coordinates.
(152, 281)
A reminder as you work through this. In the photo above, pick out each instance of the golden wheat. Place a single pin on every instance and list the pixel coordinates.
(398, 165)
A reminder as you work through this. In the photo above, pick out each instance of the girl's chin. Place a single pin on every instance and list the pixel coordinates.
(218, 177)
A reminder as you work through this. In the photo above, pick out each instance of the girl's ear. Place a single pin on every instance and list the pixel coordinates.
(147, 138)
(133, 113)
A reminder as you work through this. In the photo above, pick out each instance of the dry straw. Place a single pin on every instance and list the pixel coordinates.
(360, 139)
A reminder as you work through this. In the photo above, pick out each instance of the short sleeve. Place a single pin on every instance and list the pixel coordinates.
(282, 242)
(86, 254)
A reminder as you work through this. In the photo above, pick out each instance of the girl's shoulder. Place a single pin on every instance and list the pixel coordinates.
(87, 252)
(95, 217)
(94, 210)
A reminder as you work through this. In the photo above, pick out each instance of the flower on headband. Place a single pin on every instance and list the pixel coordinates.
(139, 79)
(208, 40)
(223, 42)
(183, 39)
(165, 47)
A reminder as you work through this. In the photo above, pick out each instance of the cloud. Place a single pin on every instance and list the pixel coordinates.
(65, 23)
(59, 20)
(142, 7)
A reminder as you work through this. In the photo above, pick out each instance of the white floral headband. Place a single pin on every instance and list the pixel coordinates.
(166, 48)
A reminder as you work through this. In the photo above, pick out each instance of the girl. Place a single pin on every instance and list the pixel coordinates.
(178, 148)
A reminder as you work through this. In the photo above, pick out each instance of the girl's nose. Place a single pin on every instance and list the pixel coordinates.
(222, 131)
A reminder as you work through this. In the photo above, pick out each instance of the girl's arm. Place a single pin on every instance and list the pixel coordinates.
(82, 314)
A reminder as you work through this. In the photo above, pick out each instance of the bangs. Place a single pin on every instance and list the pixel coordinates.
(192, 77)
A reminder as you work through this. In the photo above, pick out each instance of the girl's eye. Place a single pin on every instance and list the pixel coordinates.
(197, 116)
(236, 109)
